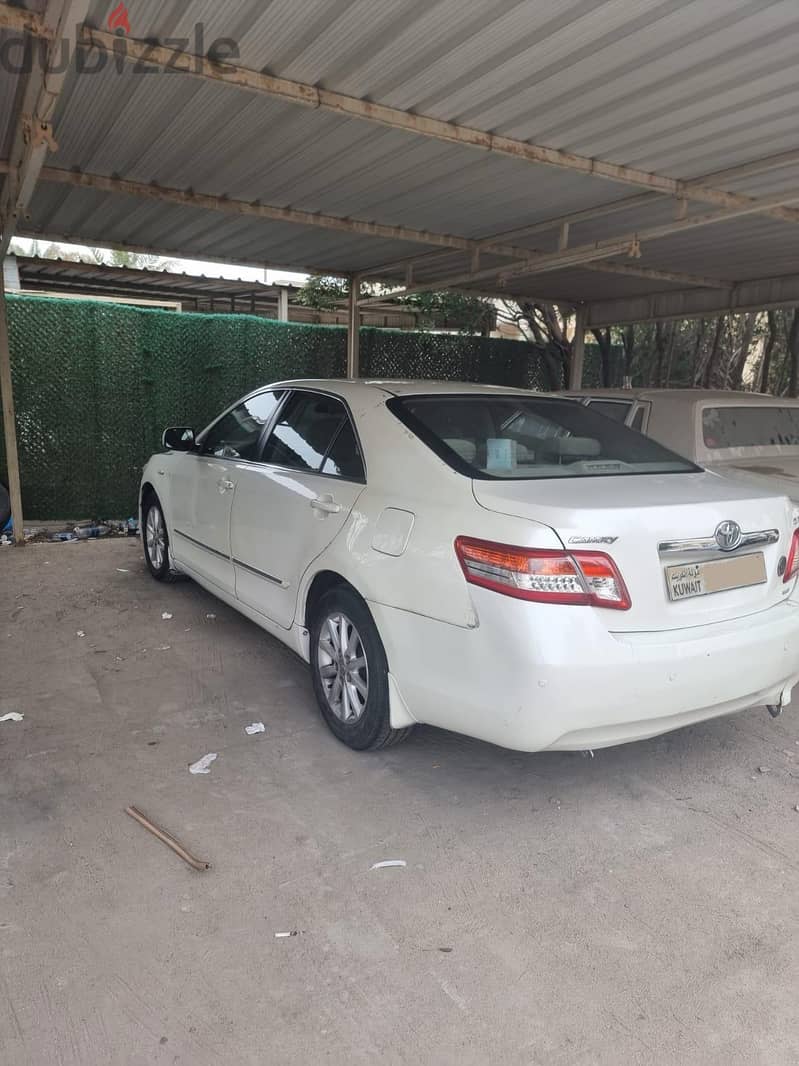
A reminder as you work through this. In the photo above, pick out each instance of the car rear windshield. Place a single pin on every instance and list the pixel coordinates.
(487, 437)
(750, 427)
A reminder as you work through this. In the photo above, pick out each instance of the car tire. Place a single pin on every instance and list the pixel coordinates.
(353, 698)
(155, 539)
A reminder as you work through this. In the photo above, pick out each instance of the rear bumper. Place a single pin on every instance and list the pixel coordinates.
(540, 676)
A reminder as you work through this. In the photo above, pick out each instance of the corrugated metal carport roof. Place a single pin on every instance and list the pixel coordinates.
(388, 139)
(207, 294)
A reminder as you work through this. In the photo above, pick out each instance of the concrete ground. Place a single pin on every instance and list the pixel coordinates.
(640, 907)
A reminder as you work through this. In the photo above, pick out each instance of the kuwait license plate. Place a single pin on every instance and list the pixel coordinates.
(701, 579)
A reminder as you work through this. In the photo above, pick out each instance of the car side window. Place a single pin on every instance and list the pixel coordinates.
(314, 433)
(344, 457)
(638, 418)
(236, 434)
(615, 409)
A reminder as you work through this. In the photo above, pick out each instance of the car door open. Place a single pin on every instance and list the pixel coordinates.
(289, 507)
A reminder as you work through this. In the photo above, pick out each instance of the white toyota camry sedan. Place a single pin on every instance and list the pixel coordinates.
(500, 563)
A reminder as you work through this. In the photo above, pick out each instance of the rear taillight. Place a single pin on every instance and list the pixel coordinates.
(588, 578)
(793, 557)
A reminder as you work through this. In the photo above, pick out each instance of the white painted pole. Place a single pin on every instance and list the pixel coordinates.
(9, 421)
(282, 304)
(353, 328)
(578, 349)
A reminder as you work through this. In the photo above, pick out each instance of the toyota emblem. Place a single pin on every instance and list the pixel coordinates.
(728, 536)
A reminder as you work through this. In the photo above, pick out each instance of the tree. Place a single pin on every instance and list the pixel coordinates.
(101, 256)
(628, 345)
(604, 339)
(660, 374)
(765, 366)
(753, 350)
(470, 313)
(714, 356)
(133, 260)
(793, 354)
(741, 354)
(545, 325)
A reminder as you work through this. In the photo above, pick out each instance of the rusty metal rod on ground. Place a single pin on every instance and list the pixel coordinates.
(170, 841)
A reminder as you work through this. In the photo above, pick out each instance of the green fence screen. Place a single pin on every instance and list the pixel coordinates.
(96, 383)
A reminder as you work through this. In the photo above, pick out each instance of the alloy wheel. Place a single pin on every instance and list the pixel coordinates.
(343, 669)
(155, 535)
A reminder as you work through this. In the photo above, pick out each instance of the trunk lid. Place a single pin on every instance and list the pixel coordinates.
(631, 517)
(779, 473)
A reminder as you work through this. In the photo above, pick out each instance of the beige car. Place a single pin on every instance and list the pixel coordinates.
(731, 432)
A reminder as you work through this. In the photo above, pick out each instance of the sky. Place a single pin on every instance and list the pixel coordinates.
(25, 246)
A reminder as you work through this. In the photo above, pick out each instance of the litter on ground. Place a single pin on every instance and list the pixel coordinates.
(387, 863)
(80, 633)
(166, 616)
(12, 716)
(168, 839)
(281, 936)
(256, 727)
(202, 766)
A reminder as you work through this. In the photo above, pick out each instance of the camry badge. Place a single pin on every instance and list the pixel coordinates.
(728, 536)
(593, 540)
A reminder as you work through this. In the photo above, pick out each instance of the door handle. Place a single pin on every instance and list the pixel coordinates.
(225, 486)
(326, 505)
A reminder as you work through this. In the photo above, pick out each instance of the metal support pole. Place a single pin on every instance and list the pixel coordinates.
(353, 328)
(282, 304)
(578, 349)
(9, 420)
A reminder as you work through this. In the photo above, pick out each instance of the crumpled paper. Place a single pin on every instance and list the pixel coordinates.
(202, 766)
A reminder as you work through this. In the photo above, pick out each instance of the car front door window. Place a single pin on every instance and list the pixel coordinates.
(237, 434)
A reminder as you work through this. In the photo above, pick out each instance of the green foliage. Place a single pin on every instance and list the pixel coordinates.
(438, 310)
(470, 313)
(323, 293)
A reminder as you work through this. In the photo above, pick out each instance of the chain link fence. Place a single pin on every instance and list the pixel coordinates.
(95, 384)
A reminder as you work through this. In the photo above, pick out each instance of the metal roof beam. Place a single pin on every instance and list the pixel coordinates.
(61, 237)
(538, 265)
(626, 204)
(759, 295)
(624, 269)
(755, 166)
(255, 209)
(528, 261)
(18, 20)
(610, 246)
(312, 96)
(33, 133)
(652, 274)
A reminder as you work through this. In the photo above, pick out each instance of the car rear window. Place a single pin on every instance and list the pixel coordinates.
(750, 427)
(487, 437)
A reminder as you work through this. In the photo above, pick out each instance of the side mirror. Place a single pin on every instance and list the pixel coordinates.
(178, 439)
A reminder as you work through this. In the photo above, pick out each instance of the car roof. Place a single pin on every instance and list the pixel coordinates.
(353, 388)
(720, 397)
